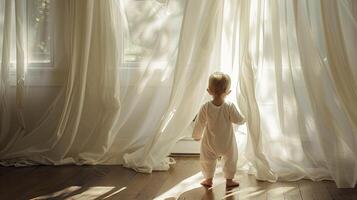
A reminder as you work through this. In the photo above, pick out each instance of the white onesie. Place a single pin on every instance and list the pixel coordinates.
(215, 123)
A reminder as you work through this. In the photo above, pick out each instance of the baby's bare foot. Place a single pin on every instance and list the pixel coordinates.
(231, 183)
(207, 183)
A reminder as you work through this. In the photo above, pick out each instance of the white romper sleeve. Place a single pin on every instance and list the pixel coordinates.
(200, 123)
(234, 115)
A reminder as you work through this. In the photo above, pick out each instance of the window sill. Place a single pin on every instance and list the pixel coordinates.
(130, 74)
(39, 76)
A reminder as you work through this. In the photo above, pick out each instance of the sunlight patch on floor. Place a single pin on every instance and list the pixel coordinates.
(92, 193)
(191, 183)
(185, 185)
(78, 192)
(252, 192)
(114, 193)
(63, 192)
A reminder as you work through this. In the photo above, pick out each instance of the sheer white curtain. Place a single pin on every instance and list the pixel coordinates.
(13, 19)
(129, 76)
(296, 87)
(114, 61)
(77, 119)
(295, 73)
(152, 30)
(199, 41)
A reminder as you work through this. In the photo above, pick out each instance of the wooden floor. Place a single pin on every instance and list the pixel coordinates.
(181, 181)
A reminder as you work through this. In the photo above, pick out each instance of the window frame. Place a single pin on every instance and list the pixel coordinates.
(36, 71)
(41, 65)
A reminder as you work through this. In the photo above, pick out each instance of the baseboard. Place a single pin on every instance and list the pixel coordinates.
(186, 146)
(185, 154)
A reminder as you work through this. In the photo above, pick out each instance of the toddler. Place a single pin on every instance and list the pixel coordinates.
(215, 120)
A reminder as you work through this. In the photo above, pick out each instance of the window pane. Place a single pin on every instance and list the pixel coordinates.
(39, 34)
(153, 28)
(2, 7)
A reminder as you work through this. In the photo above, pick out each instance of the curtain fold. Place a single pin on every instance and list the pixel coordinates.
(70, 132)
(128, 77)
(5, 61)
(13, 12)
(199, 40)
(21, 58)
(290, 91)
(328, 94)
(247, 94)
(340, 68)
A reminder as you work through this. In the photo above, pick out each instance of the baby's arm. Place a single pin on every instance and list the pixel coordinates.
(235, 116)
(199, 124)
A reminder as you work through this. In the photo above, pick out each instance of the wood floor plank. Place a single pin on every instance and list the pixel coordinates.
(46, 180)
(180, 182)
(180, 175)
(275, 191)
(307, 191)
(144, 186)
(250, 188)
(292, 191)
(110, 181)
(11, 170)
(340, 193)
(6, 172)
(12, 178)
(314, 190)
(118, 178)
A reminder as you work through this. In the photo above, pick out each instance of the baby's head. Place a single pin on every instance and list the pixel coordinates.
(219, 85)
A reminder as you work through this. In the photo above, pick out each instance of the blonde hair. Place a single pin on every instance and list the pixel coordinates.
(219, 83)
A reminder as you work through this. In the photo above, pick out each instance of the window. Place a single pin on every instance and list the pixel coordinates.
(39, 32)
(133, 52)
(151, 25)
(141, 15)
(38, 38)
(2, 9)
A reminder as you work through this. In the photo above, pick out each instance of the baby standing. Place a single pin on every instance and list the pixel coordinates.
(214, 122)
